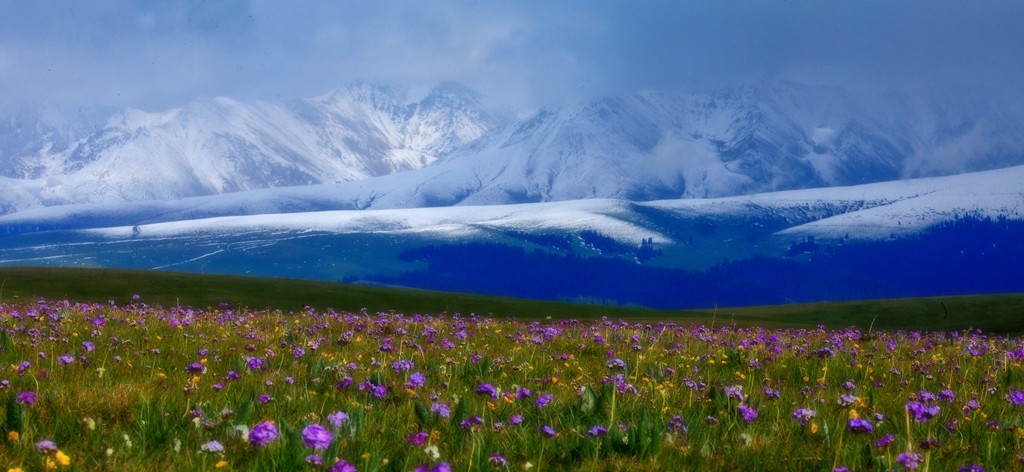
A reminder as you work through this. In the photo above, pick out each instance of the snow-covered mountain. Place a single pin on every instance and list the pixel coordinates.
(886, 239)
(870, 211)
(383, 147)
(756, 139)
(867, 211)
(219, 145)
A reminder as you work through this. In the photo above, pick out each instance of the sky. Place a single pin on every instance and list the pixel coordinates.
(156, 55)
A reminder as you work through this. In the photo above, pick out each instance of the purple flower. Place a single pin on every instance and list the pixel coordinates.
(677, 425)
(544, 400)
(195, 368)
(771, 393)
(972, 468)
(749, 413)
(598, 431)
(547, 431)
(298, 352)
(859, 425)
(441, 409)
(487, 389)
(46, 447)
(616, 364)
(88, 346)
(847, 400)
(923, 412)
(23, 367)
(497, 460)
(255, 363)
(804, 415)
(910, 460)
(344, 383)
(416, 380)
(402, 366)
(263, 433)
(315, 460)
(337, 419)
(26, 397)
(316, 436)
(515, 420)
(343, 466)
(472, 424)
(523, 393)
(841, 468)
(264, 398)
(735, 392)
(1016, 397)
(418, 439)
(212, 447)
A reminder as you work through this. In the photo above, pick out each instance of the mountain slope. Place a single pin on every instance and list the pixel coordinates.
(869, 211)
(389, 148)
(656, 146)
(219, 145)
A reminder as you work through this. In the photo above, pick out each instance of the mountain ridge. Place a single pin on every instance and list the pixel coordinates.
(394, 147)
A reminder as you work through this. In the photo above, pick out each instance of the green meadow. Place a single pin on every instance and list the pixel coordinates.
(1001, 313)
(120, 370)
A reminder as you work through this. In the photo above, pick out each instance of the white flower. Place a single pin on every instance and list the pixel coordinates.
(432, 452)
(243, 432)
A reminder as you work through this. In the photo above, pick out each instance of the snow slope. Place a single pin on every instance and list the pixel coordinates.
(219, 145)
(870, 211)
(389, 149)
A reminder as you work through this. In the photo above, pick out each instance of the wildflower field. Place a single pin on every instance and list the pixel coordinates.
(140, 387)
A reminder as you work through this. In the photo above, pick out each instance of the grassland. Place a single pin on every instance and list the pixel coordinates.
(999, 313)
(270, 374)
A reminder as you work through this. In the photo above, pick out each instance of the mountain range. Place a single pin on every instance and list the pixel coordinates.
(391, 147)
(780, 192)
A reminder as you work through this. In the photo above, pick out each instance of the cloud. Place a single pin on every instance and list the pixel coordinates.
(160, 54)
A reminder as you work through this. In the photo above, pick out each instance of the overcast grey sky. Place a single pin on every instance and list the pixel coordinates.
(155, 55)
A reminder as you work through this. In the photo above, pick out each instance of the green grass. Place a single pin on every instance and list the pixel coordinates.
(994, 313)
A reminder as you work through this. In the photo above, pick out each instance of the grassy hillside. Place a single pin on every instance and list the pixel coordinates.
(996, 313)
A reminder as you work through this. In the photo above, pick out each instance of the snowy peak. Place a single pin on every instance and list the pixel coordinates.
(442, 146)
(220, 145)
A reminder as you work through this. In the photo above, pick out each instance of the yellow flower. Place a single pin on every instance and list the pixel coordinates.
(49, 464)
(62, 458)
(814, 427)
(221, 464)
(14, 469)
(13, 436)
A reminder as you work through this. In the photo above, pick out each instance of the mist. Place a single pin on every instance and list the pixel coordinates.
(123, 53)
